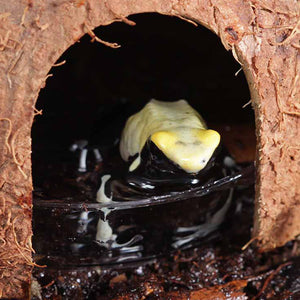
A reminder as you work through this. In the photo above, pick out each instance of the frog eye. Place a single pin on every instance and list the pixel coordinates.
(189, 148)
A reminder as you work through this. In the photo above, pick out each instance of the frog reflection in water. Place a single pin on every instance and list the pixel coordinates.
(167, 147)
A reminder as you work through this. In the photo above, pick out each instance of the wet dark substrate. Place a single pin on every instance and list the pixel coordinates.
(210, 267)
(216, 267)
(274, 275)
(269, 276)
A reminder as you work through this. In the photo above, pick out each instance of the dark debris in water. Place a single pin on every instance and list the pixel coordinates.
(218, 269)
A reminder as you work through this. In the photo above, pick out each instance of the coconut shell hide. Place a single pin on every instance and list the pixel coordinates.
(262, 35)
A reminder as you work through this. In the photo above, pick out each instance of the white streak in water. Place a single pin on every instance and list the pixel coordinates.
(203, 230)
(101, 197)
(104, 230)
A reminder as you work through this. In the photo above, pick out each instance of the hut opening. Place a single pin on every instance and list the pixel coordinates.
(162, 57)
(90, 97)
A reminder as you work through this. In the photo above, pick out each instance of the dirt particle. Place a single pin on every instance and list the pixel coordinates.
(233, 34)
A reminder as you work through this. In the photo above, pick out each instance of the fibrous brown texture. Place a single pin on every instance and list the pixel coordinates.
(263, 36)
(232, 290)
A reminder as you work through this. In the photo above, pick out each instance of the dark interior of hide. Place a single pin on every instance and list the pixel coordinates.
(168, 59)
(161, 57)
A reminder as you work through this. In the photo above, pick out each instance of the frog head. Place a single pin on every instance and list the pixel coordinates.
(189, 148)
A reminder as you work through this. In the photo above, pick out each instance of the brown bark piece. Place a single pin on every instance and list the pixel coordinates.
(263, 35)
(231, 290)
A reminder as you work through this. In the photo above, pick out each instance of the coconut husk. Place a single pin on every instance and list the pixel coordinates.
(262, 35)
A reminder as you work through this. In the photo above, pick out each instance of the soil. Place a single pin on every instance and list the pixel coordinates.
(215, 268)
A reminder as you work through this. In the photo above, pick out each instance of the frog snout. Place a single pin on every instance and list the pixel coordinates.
(189, 148)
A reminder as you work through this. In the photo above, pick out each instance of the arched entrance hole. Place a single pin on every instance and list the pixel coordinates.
(161, 57)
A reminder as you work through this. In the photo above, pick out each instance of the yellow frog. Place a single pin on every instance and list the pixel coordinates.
(176, 129)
